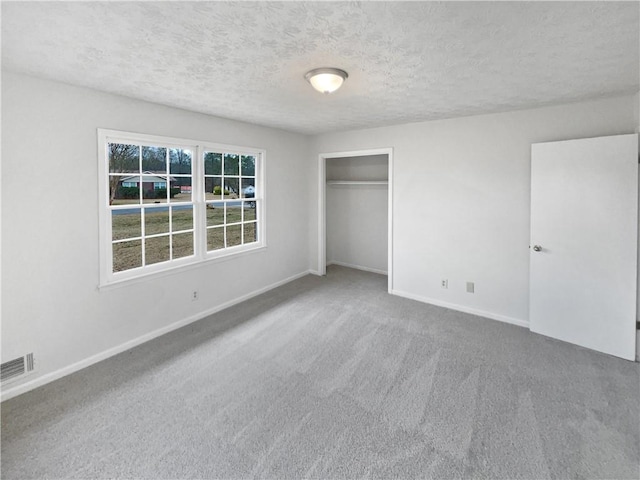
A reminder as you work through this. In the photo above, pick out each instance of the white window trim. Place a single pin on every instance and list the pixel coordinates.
(201, 256)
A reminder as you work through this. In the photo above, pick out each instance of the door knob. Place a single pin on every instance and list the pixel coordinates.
(537, 248)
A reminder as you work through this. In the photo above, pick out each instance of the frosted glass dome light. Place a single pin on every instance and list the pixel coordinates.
(326, 80)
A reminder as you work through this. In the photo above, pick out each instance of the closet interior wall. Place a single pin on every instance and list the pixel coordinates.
(357, 212)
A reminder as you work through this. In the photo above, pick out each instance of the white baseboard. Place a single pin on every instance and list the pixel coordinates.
(74, 367)
(461, 308)
(358, 267)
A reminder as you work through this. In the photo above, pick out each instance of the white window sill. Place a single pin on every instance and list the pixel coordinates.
(178, 269)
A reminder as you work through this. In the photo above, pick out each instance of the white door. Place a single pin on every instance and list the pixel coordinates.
(584, 241)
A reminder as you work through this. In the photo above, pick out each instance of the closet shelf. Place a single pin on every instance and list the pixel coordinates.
(357, 182)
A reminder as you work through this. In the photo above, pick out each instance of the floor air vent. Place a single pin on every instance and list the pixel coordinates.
(16, 368)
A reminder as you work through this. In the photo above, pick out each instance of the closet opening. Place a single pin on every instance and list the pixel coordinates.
(355, 211)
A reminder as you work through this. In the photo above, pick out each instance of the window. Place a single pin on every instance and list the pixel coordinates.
(169, 202)
(229, 183)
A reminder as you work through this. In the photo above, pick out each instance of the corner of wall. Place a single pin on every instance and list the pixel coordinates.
(636, 111)
(312, 203)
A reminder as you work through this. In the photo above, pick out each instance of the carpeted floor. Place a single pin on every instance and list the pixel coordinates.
(333, 378)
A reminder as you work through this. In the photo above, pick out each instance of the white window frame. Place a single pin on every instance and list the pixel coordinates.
(201, 255)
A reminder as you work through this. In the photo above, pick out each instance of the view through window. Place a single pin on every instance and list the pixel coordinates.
(169, 204)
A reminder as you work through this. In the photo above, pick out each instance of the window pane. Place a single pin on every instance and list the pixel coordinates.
(180, 189)
(154, 159)
(181, 218)
(125, 224)
(234, 235)
(180, 161)
(231, 164)
(231, 187)
(156, 249)
(127, 255)
(215, 214)
(249, 210)
(248, 163)
(248, 187)
(123, 190)
(212, 163)
(215, 238)
(234, 213)
(250, 233)
(154, 188)
(183, 245)
(124, 158)
(156, 220)
(213, 188)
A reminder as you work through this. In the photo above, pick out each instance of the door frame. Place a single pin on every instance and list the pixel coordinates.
(322, 206)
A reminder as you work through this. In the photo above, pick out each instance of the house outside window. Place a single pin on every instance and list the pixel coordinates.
(167, 203)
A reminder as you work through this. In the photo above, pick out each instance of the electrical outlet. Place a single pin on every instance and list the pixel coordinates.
(444, 283)
(471, 287)
(194, 295)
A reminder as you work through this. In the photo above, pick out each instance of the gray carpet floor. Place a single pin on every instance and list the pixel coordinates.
(333, 378)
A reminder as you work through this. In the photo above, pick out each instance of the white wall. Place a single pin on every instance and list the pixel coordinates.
(51, 305)
(462, 197)
(357, 218)
(357, 215)
(636, 110)
(365, 167)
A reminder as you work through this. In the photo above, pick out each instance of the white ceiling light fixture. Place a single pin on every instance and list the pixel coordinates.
(326, 80)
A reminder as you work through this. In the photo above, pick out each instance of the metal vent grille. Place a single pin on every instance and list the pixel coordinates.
(16, 367)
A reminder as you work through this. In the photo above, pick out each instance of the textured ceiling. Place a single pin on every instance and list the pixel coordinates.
(407, 61)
